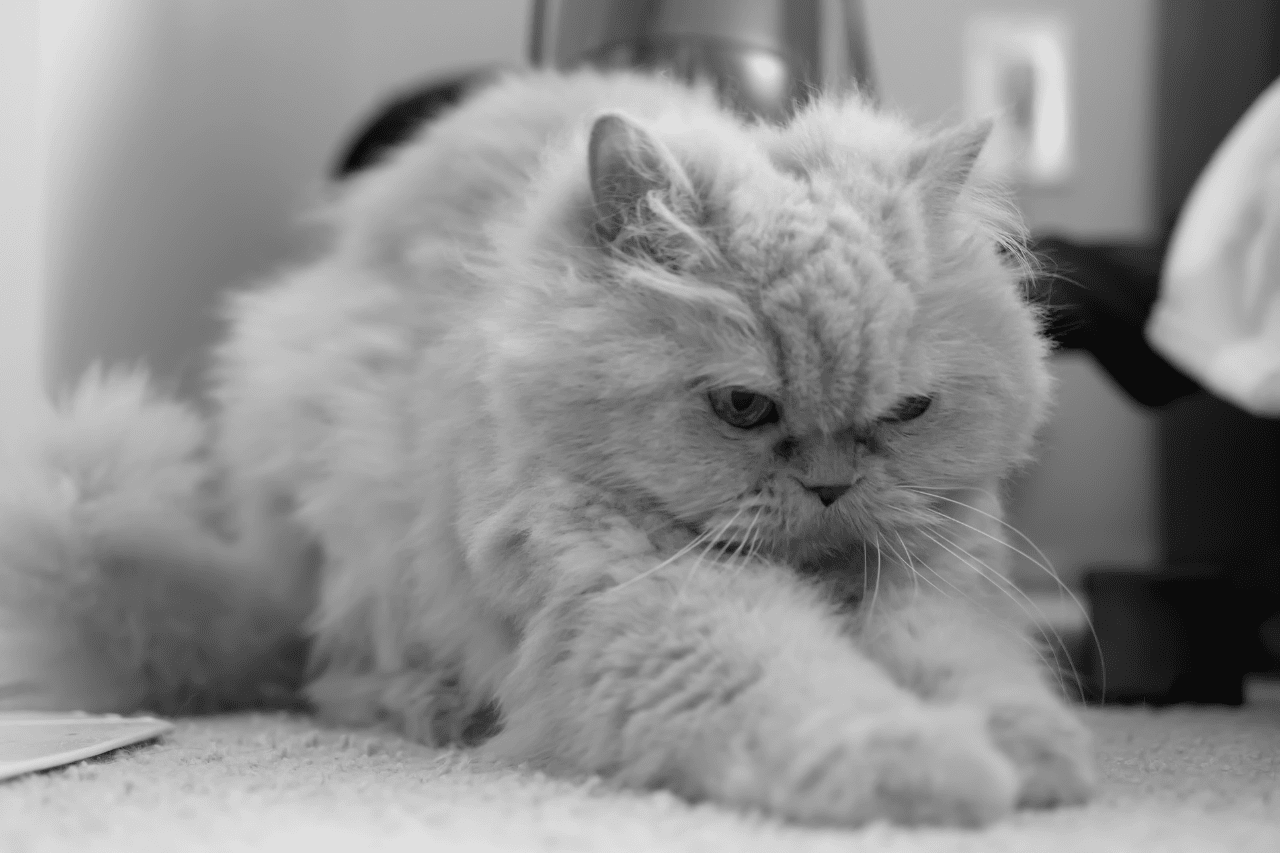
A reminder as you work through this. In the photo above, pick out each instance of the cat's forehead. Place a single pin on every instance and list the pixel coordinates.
(836, 310)
(839, 327)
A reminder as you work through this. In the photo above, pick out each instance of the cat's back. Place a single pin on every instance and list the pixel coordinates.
(444, 188)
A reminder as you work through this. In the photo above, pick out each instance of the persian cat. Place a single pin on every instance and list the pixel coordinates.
(612, 431)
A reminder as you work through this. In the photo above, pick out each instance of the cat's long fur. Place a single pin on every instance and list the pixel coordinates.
(478, 432)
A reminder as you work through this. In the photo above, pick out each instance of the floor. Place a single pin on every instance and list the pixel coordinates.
(1182, 779)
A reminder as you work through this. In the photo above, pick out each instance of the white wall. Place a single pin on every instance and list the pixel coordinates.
(917, 49)
(193, 135)
(1092, 496)
(21, 198)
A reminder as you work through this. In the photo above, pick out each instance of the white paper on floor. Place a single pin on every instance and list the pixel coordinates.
(31, 741)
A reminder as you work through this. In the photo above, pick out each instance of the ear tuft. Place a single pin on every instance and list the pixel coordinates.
(626, 164)
(944, 164)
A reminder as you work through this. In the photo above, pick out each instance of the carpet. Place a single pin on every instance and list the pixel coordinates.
(1182, 779)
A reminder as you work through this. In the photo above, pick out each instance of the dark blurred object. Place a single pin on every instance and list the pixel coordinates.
(1098, 299)
(765, 57)
(396, 121)
(1185, 634)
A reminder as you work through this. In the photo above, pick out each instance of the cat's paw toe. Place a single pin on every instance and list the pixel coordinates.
(943, 769)
(1051, 749)
(932, 767)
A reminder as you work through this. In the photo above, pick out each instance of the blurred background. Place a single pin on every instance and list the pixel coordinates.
(165, 150)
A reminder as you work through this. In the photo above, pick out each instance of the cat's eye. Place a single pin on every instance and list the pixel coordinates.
(743, 408)
(909, 409)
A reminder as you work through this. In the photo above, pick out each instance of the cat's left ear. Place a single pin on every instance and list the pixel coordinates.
(634, 178)
(944, 164)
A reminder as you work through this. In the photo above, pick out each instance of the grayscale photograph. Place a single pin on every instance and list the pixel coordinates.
(640, 425)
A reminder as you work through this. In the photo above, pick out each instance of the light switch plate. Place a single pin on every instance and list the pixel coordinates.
(1018, 71)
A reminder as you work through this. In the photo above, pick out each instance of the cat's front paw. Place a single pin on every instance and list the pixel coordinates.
(929, 766)
(1050, 747)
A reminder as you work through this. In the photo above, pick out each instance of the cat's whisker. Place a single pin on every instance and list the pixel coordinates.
(707, 547)
(755, 534)
(911, 565)
(703, 538)
(1011, 591)
(939, 589)
(1043, 563)
(963, 595)
(1017, 633)
(866, 569)
(875, 590)
(744, 552)
(926, 488)
(1045, 566)
(920, 576)
(1002, 584)
(1013, 633)
(713, 542)
(695, 542)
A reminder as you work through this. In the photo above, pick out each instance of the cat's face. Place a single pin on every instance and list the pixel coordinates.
(783, 343)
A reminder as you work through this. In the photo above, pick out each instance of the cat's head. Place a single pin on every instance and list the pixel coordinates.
(781, 336)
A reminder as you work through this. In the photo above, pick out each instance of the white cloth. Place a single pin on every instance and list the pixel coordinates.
(1218, 314)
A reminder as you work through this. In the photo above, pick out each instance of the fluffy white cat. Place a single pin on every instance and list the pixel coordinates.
(613, 431)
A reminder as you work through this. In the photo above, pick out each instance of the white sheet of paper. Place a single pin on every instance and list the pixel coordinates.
(31, 741)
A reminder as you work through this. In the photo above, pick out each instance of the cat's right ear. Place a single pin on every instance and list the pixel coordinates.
(632, 174)
(944, 164)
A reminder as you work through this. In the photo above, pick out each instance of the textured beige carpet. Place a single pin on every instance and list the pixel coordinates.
(1179, 780)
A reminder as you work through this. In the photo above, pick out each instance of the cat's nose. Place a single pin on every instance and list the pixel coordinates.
(829, 494)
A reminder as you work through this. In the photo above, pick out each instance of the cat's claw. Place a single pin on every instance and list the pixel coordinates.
(1051, 749)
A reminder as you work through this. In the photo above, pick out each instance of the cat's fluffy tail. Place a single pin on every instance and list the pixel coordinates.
(118, 591)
